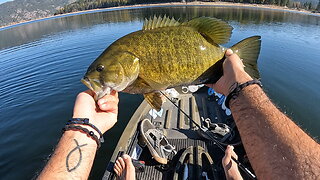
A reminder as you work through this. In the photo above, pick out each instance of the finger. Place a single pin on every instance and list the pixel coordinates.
(113, 96)
(85, 95)
(229, 52)
(85, 98)
(109, 107)
(234, 58)
(108, 98)
(114, 93)
(123, 165)
(84, 104)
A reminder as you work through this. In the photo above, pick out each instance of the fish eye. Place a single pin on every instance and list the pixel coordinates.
(100, 68)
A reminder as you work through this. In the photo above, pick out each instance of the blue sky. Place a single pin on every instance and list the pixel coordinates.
(3, 1)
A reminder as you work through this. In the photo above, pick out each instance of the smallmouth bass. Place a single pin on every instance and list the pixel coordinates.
(166, 54)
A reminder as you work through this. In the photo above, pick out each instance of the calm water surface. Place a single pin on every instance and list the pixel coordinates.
(42, 63)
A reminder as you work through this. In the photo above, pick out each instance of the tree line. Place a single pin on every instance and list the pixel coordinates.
(81, 5)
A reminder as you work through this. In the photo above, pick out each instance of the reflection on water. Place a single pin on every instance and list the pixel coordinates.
(42, 63)
(29, 32)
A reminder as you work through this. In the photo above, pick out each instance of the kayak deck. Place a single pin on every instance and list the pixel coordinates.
(181, 133)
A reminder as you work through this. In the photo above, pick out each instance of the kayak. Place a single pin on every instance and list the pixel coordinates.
(196, 155)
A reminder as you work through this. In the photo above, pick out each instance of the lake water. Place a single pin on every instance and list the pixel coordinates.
(42, 64)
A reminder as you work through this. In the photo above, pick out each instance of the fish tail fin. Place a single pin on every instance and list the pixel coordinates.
(248, 50)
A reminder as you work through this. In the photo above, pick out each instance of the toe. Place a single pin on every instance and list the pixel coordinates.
(123, 165)
(227, 157)
(130, 173)
(127, 160)
(116, 169)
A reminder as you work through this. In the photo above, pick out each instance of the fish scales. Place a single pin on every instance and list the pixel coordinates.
(168, 55)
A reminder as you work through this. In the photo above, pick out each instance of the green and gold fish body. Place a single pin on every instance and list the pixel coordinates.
(166, 54)
(169, 56)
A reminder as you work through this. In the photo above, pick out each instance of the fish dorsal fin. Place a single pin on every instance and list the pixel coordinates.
(158, 22)
(216, 29)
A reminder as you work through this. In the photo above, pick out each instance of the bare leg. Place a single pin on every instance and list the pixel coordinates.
(230, 167)
(124, 168)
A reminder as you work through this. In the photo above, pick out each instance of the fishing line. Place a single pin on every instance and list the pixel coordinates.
(217, 143)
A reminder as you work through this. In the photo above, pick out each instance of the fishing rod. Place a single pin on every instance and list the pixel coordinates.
(216, 142)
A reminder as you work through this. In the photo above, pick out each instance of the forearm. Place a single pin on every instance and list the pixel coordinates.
(72, 159)
(277, 148)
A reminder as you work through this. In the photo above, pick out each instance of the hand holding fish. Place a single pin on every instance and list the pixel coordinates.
(102, 114)
(233, 71)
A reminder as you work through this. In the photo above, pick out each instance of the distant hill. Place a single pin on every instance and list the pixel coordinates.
(24, 10)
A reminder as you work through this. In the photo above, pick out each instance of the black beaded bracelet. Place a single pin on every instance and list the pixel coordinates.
(236, 88)
(85, 121)
(83, 130)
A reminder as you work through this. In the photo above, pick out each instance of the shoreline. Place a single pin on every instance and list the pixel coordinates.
(195, 3)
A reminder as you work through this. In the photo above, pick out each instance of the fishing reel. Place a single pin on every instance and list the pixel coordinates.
(221, 132)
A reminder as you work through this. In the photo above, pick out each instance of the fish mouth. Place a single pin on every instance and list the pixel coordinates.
(105, 90)
(99, 91)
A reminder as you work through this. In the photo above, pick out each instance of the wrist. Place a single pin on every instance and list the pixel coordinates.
(239, 77)
(102, 124)
(83, 125)
(242, 77)
(86, 123)
(237, 88)
(81, 137)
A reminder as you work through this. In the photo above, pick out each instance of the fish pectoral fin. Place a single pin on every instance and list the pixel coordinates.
(155, 99)
(158, 22)
(215, 29)
(139, 86)
(155, 85)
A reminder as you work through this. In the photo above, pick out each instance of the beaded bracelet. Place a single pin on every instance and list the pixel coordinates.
(83, 130)
(85, 121)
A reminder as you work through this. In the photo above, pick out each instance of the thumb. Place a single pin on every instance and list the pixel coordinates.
(229, 52)
(227, 157)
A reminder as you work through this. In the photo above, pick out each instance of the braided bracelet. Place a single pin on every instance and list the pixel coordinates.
(237, 87)
(85, 121)
(83, 130)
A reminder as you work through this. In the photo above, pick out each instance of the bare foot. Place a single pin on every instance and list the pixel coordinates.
(230, 167)
(124, 168)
